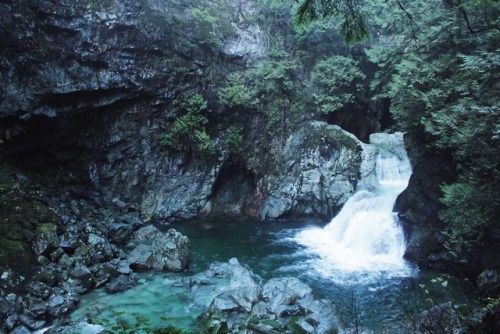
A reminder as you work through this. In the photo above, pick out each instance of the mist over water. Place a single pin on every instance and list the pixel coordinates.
(364, 241)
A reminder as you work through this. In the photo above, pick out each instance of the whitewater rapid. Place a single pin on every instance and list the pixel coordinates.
(365, 240)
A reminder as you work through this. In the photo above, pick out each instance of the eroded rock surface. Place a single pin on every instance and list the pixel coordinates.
(320, 171)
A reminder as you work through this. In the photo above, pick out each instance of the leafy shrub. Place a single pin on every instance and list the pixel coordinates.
(336, 78)
(188, 131)
(234, 140)
(236, 93)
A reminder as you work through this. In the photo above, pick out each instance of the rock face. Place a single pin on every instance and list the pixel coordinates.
(419, 205)
(320, 170)
(90, 89)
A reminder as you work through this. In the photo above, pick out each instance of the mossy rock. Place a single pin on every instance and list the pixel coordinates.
(22, 216)
(17, 256)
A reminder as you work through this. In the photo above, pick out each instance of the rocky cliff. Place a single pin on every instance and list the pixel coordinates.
(90, 88)
(419, 206)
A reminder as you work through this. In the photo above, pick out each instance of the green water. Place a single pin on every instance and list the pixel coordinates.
(268, 249)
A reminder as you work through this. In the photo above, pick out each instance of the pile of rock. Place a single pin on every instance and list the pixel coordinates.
(245, 304)
(72, 266)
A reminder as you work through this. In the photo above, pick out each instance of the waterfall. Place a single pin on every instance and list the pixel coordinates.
(365, 236)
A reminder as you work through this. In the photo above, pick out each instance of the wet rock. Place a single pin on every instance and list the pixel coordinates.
(281, 293)
(172, 251)
(119, 266)
(39, 289)
(149, 232)
(36, 306)
(11, 321)
(119, 203)
(84, 254)
(56, 254)
(243, 291)
(419, 204)
(319, 314)
(121, 283)
(119, 232)
(69, 241)
(7, 312)
(46, 239)
(47, 275)
(84, 276)
(31, 323)
(101, 274)
(82, 327)
(281, 300)
(65, 262)
(61, 303)
(141, 257)
(164, 251)
(20, 330)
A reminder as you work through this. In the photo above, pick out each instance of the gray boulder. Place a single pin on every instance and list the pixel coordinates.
(161, 251)
(321, 168)
(149, 232)
(141, 257)
(243, 292)
(286, 302)
(172, 251)
(281, 293)
(45, 240)
(121, 283)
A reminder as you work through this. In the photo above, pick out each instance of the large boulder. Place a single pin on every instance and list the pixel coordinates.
(243, 301)
(161, 251)
(45, 240)
(243, 291)
(320, 171)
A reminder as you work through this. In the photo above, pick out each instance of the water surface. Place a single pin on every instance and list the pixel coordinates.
(269, 250)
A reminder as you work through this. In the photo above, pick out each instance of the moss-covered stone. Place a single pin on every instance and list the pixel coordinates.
(16, 255)
(22, 216)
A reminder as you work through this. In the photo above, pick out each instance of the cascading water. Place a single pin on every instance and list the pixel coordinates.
(365, 240)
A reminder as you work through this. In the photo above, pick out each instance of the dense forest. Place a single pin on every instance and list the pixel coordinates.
(115, 114)
(441, 81)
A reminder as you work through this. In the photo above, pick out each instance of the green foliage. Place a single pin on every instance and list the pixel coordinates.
(443, 88)
(469, 128)
(274, 77)
(120, 324)
(234, 140)
(189, 129)
(206, 26)
(353, 24)
(236, 94)
(337, 78)
(274, 81)
(21, 213)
